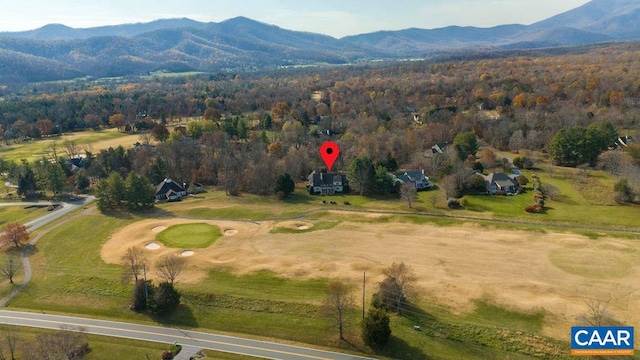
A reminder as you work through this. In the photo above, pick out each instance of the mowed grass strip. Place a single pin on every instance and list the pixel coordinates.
(197, 235)
(19, 214)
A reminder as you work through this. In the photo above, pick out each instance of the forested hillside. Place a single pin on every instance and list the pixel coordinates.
(273, 122)
(58, 52)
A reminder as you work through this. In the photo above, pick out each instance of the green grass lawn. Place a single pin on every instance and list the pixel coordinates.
(19, 214)
(196, 235)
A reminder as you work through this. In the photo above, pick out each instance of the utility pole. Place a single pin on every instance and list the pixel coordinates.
(364, 281)
(146, 290)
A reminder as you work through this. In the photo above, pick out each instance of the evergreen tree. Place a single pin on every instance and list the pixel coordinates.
(158, 171)
(141, 292)
(55, 177)
(361, 174)
(165, 299)
(27, 184)
(466, 144)
(383, 181)
(82, 182)
(375, 328)
(284, 184)
(140, 193)
(110, 192)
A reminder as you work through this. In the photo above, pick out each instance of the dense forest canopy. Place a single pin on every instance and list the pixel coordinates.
(264, 121)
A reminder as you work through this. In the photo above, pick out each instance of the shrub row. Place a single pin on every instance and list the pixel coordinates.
(538, 197)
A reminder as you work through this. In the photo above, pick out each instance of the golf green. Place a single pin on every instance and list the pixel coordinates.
(192, 236)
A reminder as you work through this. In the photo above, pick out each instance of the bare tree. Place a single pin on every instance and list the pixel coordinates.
(597, 313)
(9, 269)
(11, 340)
(51, 152)
(145, 139)
(450, 186)
(71, 149)
(614, 161)
(169, 267)
(408, 193)
(403, 277)
(433, 199)
(63, 344)
(133, 260)
(338, 303)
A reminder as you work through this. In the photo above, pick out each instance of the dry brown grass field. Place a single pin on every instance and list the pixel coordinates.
(455, 265)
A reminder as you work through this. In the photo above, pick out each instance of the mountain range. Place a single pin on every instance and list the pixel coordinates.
(56, 52)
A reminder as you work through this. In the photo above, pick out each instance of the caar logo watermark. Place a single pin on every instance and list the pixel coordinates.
(601, 340)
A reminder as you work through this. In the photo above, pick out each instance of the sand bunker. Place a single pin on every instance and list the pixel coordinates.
(187, 253)
(152, 246)
(158, 229)
(230, 232)
(303, 227)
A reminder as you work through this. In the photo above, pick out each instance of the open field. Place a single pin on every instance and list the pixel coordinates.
(35, 149)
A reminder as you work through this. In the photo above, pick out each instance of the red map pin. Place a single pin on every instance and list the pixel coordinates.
(329, 152)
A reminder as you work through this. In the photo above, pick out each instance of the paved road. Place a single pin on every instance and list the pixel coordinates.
(262, 349)
(66, 207)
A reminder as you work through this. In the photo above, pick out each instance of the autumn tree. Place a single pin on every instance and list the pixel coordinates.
(15, 233)
(118, 121)
(338, 302)
(279, 110)
(45, 126)
(169, 267)
(160, 132)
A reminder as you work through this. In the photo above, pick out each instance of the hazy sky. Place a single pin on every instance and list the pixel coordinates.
(332, 17)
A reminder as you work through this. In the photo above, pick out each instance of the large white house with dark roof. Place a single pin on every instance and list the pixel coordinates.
(327, 183)
(170, 190)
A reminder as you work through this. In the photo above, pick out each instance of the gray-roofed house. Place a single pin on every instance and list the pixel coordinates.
(440, 148)
(170, 190)
(327, 183)
(501, 182)
(416, 177)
